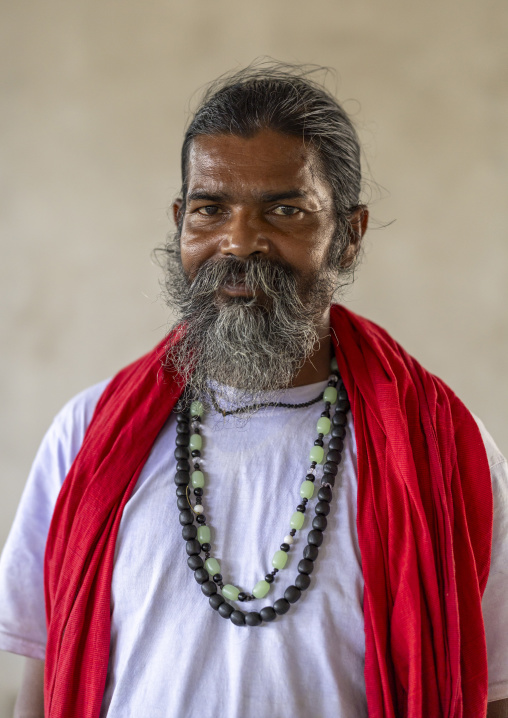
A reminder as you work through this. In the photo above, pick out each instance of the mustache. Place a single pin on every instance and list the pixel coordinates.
(257, 274)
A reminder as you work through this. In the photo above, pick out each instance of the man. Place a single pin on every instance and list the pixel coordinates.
(376, 484)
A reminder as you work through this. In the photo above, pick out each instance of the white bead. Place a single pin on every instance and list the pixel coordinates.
(289, 539)
(198, 509)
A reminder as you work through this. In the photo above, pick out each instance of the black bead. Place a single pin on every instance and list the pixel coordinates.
(201, 575)
(305, 566)
(311, 552)
(310, 477)
(339, 418)
(201, 519)
(238, 618)
(182, 465)
(343, 405)
(189, 532)
(292, 594)
(322, 508)
(329, 479)
(195, 562)
(333, 455)
(325, 494)
(181, 490)
(198, 492)
(315, 537)
(182, 503)
(225, 610)
(319, 523)
(217, 578)
(182, 440)
(196, 465)
(206, 547)
(216, 600)
(281, 606)
(195, 453)
(326, 413)
(301, 508)
(269, 578)
(182, 427)
(318, 442)
(181, 453)
(338, 432)
(186, 517)
(330, 467)
(335, 444)
(284, 547)
(342, 394)
(292, 532)
(193, 547)
(242, 596)
(209, 588)
(268, 614)
(182, 478)
(253, 618)
(302, 581)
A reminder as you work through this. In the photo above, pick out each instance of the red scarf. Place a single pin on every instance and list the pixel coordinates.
(424, 528)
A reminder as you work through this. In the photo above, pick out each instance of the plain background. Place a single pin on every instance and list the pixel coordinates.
(95, 98)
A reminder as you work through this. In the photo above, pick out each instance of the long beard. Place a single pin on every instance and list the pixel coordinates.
(254, 344)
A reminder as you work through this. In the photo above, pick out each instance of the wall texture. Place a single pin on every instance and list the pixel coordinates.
(95, 96)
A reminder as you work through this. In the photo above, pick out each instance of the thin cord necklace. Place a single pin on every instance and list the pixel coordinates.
(255, 407)
(197, 537)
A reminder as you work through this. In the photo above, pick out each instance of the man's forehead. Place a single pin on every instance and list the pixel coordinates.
(267, 163)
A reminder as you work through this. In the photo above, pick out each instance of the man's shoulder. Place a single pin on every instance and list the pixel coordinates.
(75, 416)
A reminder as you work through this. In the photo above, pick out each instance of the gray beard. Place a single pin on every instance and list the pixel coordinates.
(255, 345)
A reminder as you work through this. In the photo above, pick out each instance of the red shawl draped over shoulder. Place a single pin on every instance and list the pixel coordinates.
(424, 527)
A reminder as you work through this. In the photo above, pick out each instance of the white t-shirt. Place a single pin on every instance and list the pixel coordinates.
(171, 654)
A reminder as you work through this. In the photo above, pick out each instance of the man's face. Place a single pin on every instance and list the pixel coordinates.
(259, 197)
(251, 278)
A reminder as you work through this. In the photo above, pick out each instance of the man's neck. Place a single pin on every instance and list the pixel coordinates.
(317, 366)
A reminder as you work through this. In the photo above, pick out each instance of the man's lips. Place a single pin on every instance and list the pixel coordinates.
(237, 289)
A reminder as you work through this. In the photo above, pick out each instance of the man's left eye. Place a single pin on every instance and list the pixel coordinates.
(285, 210)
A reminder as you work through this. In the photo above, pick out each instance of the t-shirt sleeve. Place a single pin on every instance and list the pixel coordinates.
(495, 602)
(22, 613)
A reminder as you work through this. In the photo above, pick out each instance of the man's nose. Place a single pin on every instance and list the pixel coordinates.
(244, 235)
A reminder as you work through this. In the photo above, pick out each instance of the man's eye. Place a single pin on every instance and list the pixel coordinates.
(285, 210)
(209, 210)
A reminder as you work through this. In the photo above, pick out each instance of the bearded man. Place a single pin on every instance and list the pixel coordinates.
(351, 496)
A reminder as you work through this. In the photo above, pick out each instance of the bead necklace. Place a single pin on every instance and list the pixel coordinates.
(197, 538)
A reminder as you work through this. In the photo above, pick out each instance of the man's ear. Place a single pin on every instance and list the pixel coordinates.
(177, 210)
(358, 220)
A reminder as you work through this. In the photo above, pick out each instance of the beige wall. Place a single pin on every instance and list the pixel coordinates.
(95, 97)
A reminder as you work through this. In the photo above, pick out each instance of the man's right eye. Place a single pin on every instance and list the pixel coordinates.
(209, 210)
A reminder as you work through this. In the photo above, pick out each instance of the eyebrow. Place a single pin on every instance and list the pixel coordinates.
(203, 195)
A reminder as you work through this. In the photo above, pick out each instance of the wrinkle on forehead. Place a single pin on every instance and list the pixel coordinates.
(267, 162)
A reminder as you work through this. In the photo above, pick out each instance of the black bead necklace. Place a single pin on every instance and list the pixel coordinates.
(197, 538)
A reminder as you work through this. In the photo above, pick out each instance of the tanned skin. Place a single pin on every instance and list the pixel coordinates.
(231, 211)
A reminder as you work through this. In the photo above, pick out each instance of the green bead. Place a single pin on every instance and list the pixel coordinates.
(297, 520)
(279, 559)
(261, 589)
(196, 408)
(307, 490)
(204, 534)
(212, 566)
(330, 394)
(197, 479)
(317, 454)
(231, 592)
(333, 364)
(324, 425)
(195, 442)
